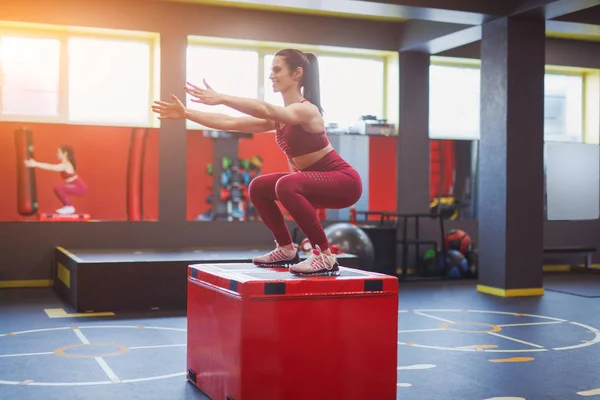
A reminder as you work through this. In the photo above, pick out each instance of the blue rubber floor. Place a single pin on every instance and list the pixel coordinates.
(453, 344)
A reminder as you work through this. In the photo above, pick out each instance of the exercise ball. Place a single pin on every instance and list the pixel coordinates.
(351, 239)
(428, 263)
(456, 266)
(458, 239)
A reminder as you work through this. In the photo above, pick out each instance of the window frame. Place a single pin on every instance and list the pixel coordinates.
(63, 33)
(389, 59)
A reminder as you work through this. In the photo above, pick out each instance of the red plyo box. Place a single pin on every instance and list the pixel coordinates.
(265, 334)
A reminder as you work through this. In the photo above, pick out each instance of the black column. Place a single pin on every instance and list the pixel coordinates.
(511, 157)
(413, 134)
(173, 134)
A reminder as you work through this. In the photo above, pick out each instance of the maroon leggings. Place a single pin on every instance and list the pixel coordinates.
(329, 183)
(75, 188)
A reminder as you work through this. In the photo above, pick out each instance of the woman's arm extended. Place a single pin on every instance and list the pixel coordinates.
(304, 114)
(294, 114)
(46, 166)
(228, 123)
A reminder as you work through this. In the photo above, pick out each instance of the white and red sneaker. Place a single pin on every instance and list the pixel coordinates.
(317, 264)
(278, 258)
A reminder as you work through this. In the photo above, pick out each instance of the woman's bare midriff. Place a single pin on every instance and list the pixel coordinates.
(306, 160)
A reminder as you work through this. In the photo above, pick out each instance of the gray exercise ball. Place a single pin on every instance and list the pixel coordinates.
(352, 240)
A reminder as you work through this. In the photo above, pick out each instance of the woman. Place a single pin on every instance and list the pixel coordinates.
(320, 177)
(73, 186)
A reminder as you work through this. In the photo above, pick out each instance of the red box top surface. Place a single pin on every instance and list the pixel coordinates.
(249, 280)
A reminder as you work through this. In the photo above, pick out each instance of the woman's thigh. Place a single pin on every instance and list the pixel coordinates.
(264, 185)
(329, 189)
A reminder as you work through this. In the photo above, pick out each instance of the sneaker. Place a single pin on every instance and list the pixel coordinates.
(317, 264)
(278, 258)
(66, 210)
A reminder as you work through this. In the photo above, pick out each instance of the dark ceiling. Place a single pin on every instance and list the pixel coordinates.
(438, 25)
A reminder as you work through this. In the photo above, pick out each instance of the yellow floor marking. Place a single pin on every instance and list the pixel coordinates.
(61, 313)
(513, 359)
(592, 392)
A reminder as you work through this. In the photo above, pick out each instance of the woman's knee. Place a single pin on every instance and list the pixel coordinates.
(261, 186)
(285, 188)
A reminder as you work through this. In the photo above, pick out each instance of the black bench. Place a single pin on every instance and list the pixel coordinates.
(579, 250)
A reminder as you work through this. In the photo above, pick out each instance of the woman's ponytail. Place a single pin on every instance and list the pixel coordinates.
(311, 82)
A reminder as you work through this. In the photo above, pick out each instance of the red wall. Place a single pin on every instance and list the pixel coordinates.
(101, 154)
(441, 151)
(382, 174)
(199, 154)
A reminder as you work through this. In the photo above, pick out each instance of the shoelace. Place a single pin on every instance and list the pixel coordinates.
(320, 257)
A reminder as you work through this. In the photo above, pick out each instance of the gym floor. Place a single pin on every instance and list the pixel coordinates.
(454, 343)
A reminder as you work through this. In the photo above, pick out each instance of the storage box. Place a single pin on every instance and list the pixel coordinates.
(265, 334)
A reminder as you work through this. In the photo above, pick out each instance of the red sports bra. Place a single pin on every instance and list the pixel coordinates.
(65, 175)
(294, 141)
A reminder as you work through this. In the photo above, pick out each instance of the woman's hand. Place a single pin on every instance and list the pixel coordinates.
(174, 110)
(30, 163)
(205, 96)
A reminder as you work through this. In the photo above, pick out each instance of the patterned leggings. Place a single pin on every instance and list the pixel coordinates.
(75, 188)
(329, 183)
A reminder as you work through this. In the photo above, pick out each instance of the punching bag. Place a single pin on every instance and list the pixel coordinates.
(135, 174)
(26, 186)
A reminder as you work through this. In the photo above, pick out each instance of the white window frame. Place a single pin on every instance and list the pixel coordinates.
(62, 33)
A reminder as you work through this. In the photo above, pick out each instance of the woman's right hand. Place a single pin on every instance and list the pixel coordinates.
(174, 110)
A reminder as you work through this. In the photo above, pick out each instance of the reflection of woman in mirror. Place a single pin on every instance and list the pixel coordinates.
(73, 186)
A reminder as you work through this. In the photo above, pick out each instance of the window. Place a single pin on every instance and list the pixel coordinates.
(454, 102)
(563, 107)
(231, 71)
(30, 76)
(55, 74)
(109, 81)
(350, 88)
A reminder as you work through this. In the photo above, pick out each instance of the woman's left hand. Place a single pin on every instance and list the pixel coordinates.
(30, 163)
(205, 96)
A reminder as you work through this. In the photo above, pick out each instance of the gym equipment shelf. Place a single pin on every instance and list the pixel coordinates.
(416, 240)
